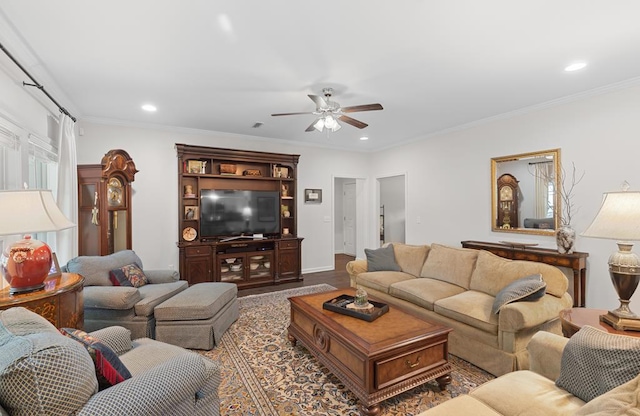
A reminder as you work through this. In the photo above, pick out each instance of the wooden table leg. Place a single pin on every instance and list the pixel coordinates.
(443, 381)
(372, 410)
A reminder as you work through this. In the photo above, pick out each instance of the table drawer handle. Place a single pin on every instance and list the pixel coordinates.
(414, 365)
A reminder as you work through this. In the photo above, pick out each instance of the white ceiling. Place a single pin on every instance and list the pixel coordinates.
(434, 65)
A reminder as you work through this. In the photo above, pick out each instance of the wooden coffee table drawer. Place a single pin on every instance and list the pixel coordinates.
(399, 367)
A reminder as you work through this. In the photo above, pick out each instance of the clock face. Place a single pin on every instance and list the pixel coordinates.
(115, 192)
(506, 193)
(189, 234)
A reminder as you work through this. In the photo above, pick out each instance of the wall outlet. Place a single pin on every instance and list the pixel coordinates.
(419, 220)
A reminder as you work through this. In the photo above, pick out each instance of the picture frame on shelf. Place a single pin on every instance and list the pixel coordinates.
(280, 172)
(190, 213)
(194, 166)
(313, 196)
(55, 267)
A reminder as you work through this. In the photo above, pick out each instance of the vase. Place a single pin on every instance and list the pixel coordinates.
(565, 239)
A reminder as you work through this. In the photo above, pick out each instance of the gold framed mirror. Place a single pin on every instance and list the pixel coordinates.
(524, 193)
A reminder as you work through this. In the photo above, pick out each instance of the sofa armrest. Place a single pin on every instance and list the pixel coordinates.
(545, 354)
(162, 276)
(117, 338)
(157, 391)
(517, 316)
(111, 297)
(355, 267)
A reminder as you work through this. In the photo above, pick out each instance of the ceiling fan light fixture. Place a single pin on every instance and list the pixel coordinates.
(319, 125)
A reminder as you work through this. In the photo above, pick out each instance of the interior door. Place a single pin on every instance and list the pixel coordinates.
(349, 218)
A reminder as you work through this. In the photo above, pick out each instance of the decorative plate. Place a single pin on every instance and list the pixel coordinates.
(189, 234)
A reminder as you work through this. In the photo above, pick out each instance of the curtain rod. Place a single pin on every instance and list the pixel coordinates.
(36, 83)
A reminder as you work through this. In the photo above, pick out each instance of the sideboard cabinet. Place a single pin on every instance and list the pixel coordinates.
(248, 259)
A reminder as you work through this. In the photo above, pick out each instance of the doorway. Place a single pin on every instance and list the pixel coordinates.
(392, 208)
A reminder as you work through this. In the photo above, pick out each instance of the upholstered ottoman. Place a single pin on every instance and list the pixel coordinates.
(198, 316)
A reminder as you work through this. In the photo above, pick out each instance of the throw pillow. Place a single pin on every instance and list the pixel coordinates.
(526, 289)
(381, 259)
(109, 369)
(129, 275)
(594, 362)
(624, 400)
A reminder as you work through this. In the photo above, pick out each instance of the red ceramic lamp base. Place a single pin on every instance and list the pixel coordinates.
(25, 265)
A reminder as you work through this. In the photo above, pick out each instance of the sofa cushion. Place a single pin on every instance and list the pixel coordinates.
(381, 281)
(153, 295)
(109, 369)
(381, 259)
(95, 269)
(469, 307)
(526, 289)
(492, 273)
(423, 292)
(450, 264)
(525, 393)
(624, 400)
(461, 405)
(410, 258)
(41, 372)
(129, 275)
(594, 362)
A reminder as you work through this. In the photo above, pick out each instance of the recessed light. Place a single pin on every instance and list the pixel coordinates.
(576, 66)
(149, 107)
(364, 138)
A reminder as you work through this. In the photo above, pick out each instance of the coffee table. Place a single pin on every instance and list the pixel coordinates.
(375, 360)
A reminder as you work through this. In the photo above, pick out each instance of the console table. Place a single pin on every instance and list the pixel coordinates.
(576, 261)
(60, 302)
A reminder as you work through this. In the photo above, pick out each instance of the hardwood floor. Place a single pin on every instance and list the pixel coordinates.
(338, 278)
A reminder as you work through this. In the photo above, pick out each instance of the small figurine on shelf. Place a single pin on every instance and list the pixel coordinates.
(188, 191)
(285, 190)
(203, 167)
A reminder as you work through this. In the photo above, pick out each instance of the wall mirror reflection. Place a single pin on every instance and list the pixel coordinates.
(524, 197)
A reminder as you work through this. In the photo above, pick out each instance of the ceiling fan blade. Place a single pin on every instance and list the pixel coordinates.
(291, 114)
(312, 125)
(364, 107)
(353, 122)
(320, 102)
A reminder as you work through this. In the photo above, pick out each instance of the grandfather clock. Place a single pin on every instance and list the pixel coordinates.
(104, 199)
(507, 201)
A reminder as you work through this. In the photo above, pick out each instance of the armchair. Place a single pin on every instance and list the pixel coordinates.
(107, 305)
(44, 372)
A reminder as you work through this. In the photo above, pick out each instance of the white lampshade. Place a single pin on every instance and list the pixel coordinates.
(30, 211)
(618, 218)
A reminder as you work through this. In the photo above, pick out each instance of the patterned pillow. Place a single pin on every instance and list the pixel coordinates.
(109, 369)
(381, 259)
(528, 288)
(129, 275)
(594, 362)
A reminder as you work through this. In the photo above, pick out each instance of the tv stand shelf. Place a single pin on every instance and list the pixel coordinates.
(272, 259)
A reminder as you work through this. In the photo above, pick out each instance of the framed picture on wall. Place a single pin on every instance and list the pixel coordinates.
(313, 196)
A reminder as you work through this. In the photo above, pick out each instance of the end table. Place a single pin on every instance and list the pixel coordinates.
(575, 318)
(60, 302)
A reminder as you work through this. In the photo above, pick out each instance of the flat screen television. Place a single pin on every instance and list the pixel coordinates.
(228, 213)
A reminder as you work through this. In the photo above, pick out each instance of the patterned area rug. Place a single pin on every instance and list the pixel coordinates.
(263, 374)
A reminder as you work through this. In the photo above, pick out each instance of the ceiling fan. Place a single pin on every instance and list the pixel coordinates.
(329, 112)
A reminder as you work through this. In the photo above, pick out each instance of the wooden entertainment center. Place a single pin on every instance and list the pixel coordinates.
(246, 260)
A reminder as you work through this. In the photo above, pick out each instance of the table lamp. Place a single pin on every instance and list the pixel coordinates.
(619, 219)
(25, 264)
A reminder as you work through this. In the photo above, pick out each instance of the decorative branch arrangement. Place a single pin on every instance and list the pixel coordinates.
(566, 195)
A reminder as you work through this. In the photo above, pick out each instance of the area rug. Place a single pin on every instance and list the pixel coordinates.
(263, 374)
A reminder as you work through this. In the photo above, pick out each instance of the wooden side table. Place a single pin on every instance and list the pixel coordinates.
(575, 318)
(60, 302)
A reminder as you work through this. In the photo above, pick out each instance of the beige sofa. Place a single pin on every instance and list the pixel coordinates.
(534, 392)
(457, 287)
